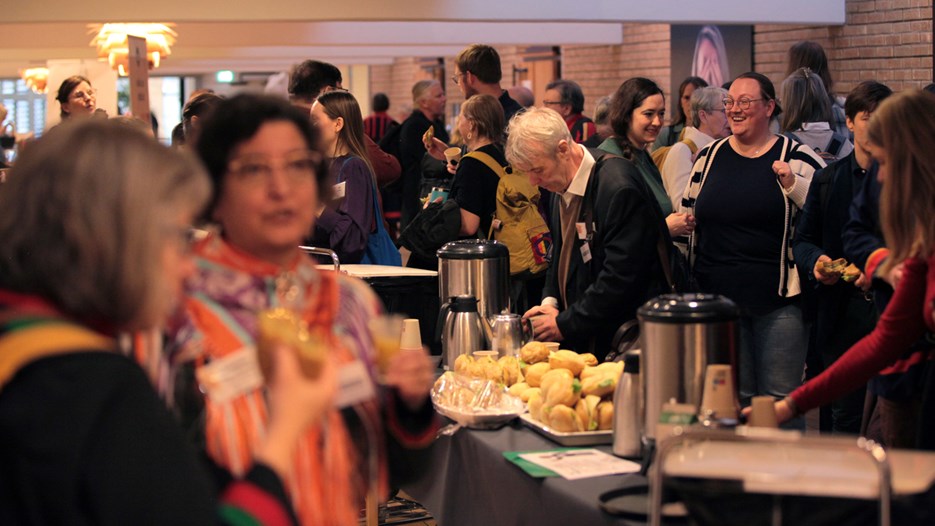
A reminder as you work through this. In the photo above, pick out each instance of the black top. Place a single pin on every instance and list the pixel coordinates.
(475, 187)
(624, 269)
(411, 152)
(510, 106)
(85, 440)
(741, 214)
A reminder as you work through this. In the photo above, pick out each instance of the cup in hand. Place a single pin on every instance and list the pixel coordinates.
(763, 412)
(453, 157)
(386, 332)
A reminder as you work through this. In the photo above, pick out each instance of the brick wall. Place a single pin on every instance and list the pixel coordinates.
(886, 40)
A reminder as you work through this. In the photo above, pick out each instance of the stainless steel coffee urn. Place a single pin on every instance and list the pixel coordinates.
(479, 268)
(682, 334)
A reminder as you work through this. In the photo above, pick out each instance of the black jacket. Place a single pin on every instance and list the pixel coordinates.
(624, 271)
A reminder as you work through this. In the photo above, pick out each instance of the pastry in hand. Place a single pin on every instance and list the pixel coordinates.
(851, 272)
(428, 136)
(832, 268)
(284, 327)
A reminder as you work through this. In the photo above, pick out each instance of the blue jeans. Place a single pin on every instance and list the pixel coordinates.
(772, 355)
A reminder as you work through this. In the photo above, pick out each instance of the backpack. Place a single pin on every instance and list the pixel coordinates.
(390, 141)
(659, 154)
(831, 153)
(517, 222)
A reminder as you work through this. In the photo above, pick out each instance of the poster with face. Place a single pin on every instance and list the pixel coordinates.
(717, 54)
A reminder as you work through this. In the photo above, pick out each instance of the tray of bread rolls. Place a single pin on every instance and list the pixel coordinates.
(569, 395)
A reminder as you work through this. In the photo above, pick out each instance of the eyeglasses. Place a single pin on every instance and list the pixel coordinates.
(456, 78)
(744, 103)
(257, 170)
(81, 95)
(552, 102)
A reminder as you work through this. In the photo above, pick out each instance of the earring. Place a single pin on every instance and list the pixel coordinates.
(469, 136)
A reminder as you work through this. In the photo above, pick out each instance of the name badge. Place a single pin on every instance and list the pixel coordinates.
(585, 252)
(354, 385)
(582, 229)
(338, 190)
(234, 375)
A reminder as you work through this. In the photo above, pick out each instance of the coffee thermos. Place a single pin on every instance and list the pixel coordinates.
(462, 329)
(479, 268)
(628, 407)
(682, 334)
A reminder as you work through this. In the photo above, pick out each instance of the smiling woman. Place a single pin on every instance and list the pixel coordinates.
(637, 112)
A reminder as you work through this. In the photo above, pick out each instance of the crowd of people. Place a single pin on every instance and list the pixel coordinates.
(757, 192)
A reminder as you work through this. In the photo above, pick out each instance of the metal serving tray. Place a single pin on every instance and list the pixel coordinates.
(583, 438)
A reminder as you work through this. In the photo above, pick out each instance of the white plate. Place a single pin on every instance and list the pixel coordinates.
(583, 438)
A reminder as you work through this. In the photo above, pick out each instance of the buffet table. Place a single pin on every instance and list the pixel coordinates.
(469, 482)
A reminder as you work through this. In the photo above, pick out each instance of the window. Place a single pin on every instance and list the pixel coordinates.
(26, 109)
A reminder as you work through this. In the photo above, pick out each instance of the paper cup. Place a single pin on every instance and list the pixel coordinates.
(412, 338)
(486, 354)
(719, 399)
(453, 156)
(763, 412)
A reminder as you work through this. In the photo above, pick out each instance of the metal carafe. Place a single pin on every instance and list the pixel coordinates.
(478, 268)
(508, 333)
(681, 335)
(463, 331)
(628, 407)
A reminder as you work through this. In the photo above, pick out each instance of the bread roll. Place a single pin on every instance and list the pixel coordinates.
(534, 373)
(563, 419)
(602, 369)
(534, 352)
(599, 385)
(511, 372)
(535, 406)
(562, 391)
(552, 375)
(463, 363)
(605, 415)
(518, 388)
(586, 409)
(567, 360)
(526, 395)
(589, 359)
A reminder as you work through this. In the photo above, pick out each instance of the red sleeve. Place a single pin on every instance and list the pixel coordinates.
(900, 326)
(386, 168)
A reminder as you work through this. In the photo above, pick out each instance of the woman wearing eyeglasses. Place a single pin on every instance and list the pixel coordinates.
(269, 175)
(744, 192)
(76, 97)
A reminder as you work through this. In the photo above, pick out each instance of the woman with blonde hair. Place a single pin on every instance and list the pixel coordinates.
(352, 223)
(900, 140)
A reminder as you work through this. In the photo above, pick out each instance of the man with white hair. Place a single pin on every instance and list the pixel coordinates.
(606, 229)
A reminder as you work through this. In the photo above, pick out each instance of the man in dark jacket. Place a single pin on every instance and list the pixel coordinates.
(605, 227)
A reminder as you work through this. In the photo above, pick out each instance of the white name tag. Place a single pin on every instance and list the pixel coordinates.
(585, 253)
(338, 190)
(354, 385)
(231, 376)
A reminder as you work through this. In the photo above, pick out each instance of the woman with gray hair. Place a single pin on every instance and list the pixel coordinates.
(708, 121)
(94, 222)
(807, 117)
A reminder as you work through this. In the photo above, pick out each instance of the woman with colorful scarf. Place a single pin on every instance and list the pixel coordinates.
(268, 177)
